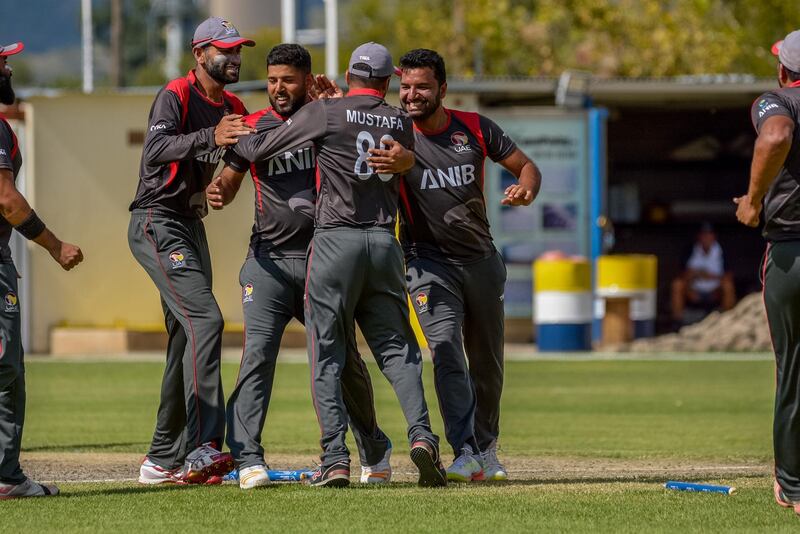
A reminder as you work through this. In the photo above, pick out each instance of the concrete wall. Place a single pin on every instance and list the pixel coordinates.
(82, 174)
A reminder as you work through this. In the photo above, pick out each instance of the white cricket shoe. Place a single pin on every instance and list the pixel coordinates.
(150, 473)
(254, 476)
(380, 473)
(492, 467)
(28, 488)
(466, 467)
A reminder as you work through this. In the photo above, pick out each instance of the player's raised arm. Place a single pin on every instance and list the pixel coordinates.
(16, 210)
(165, 143)
(308, 124)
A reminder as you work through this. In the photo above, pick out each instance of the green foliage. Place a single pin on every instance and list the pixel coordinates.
(608, 38)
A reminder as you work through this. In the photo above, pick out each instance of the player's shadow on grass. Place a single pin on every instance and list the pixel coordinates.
(125, 490)
(82, 447)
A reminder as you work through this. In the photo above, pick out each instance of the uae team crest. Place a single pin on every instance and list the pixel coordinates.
(422, 302)
(177, 258)
(247, 293)
(11, 302)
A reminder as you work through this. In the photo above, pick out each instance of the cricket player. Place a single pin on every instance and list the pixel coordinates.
(775, 187)
(355, 265)
(273, 276)
(192, 121)
(15, 213)
(455, 275)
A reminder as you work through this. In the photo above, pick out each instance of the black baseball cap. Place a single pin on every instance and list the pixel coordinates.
(220, 33)
(788, 51)
(11, 49)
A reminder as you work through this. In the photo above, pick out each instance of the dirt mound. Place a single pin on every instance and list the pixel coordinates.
(742, 329)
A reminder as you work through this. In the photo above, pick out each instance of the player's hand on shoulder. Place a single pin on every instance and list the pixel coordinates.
(67, 255)
(324, 88)
(517, 195)
(395, 159)
(229, 129)
(747, 211)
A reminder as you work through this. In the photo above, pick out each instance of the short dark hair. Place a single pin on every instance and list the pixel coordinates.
(422, 57)
(363, 81)
(792, 75)
(293, 55)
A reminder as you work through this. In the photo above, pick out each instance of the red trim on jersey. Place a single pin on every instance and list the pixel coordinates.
(793, 84)
(193, 81)
(149, 222)
(276, 114)
(404, 199)
(180, 87)
(236, 104)
(318, 180)
(363, 91)
(252, 119)
(256, 182)
(444, 128)
(473, 123)
(173, 172)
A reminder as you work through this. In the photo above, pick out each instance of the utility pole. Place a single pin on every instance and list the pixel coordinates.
(87, 45)
(288, 23)
(331, 38)
(175, 44)
(115, 70)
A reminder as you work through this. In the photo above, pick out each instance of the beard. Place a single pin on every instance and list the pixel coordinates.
(425, 108)
(289, 107)
(221, 70)
(7, 95)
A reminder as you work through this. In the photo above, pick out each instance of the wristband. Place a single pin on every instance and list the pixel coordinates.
(32, 227)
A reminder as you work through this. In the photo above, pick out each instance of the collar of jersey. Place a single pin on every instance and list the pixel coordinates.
(193, 82)
(794, 84)
(440, 130)
(276, 114)
(364, 92)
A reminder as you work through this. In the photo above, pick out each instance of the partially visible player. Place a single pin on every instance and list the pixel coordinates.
(355, 265)
(192, 121)
(16, 214)
(455, 276)
(774, 179)
(273, 276)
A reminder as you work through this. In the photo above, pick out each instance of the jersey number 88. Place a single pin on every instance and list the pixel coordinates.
(364, 143)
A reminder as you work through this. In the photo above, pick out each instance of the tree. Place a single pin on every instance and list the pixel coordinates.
(613, 38)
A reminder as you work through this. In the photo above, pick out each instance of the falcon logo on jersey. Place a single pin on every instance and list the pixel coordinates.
(291, 161)
(456, 176)
(177, 258)
(460, 142)
(247, 293)
(11, 302)
(422, 302)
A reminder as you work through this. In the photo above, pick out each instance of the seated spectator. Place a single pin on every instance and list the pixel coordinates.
(705, 285)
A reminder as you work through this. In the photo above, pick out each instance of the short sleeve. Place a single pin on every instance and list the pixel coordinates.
(6, 147)
(498, 145)
(766, 106)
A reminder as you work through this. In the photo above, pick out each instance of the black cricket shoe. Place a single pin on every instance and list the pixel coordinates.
(334, 476)
(426, 457)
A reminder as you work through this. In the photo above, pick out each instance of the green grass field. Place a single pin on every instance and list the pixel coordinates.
(654, 413)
